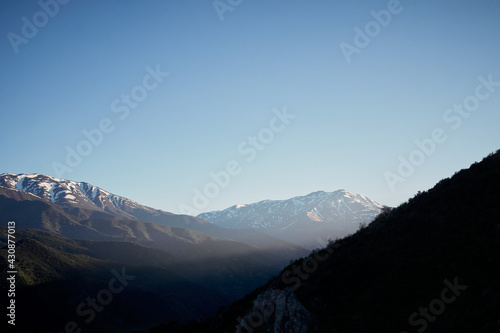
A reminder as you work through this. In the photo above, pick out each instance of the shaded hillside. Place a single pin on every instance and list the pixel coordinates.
(56, 274)
(29, 211)
(431, 264)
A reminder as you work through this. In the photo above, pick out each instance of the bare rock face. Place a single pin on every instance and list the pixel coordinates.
(277, 311)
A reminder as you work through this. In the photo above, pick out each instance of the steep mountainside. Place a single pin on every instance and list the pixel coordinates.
(429, 265)
(305, 220)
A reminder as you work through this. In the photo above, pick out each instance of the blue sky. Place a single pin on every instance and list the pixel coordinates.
(227, 79)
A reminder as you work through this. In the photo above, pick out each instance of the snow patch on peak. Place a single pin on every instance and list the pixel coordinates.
(315, 215)
(118, 201)
(95, 193)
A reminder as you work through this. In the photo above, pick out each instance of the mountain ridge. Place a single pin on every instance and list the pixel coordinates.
(68, 192)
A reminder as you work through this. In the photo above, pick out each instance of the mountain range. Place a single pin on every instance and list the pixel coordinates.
(80, 205)
(432, 264)
(308, 221)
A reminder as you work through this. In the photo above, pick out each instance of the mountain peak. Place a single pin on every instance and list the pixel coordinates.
(301, 219)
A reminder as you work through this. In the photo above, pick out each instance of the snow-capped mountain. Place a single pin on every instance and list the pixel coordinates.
(70, 193)
(303, 219)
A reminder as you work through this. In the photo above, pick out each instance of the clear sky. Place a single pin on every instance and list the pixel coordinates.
(353, 93)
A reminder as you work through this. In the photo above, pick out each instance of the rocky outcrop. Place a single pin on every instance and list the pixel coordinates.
(277, 311)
